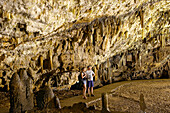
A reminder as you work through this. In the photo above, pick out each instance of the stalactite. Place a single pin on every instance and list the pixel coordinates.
(102, 72)
(101, 27)
(142, 21)
(119, 23)
(126, 34)
(94, 37)
(134, 1)
(163, 39)
(41, 63)
(51, 59)
(124, 59)
(82, 40)
(85, 35)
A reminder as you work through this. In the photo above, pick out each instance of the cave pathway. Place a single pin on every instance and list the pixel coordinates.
(110, 88)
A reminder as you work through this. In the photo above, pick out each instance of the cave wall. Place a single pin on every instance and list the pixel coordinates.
(53, 40)
(137, 63)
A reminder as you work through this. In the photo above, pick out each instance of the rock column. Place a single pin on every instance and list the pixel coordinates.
(105, 108)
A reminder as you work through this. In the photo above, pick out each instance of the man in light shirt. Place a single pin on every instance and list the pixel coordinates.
(90, 74)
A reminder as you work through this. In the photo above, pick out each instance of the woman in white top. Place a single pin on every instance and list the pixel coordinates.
(83, 76)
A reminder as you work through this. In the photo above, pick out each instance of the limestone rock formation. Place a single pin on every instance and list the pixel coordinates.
(122, 40)
(21, 92)
(46, 99)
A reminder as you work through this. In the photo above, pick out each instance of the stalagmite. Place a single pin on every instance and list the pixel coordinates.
(16, 97)
(21, 92)
(46, 98)
(142, 103)
(51, 38)
(105, 108)
(27, 90)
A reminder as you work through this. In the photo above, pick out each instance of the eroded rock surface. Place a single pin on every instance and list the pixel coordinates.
(50, 41)
(21, 92)
(122, 40)
(45, 98)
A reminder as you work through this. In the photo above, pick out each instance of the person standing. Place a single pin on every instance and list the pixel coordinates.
(90, 84)
(83, 76)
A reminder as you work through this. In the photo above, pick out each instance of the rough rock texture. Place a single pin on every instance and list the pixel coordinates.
(122, 40)
(45, 98)
(21, 93)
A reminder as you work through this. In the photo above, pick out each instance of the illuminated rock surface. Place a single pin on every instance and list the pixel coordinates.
(132, 35)
(52, 40)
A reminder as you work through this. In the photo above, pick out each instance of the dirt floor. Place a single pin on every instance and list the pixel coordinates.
(126, 98)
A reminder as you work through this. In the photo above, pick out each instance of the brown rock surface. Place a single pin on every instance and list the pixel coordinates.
(45, 98)
(50, 41)
(37, 36)
(21, 92)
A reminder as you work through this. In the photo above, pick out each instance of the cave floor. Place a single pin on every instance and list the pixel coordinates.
(110, 89)
(124, 93)
(127, 97)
